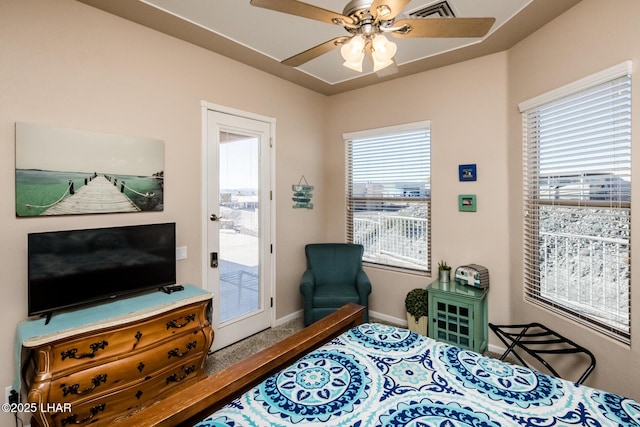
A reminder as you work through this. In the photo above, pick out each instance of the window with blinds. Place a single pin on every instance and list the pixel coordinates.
(577, 192)
(388, 191)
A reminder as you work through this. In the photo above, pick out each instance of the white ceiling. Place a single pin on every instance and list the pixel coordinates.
(262, 38)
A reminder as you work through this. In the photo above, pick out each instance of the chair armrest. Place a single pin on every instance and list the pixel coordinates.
(307, 284)
(363, 284)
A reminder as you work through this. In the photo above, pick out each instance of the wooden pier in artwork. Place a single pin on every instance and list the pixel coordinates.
(98, 196)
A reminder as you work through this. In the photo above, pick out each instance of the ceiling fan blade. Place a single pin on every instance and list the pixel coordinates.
(314, 52)
(444, 27)
(294, 7)
(393, 7)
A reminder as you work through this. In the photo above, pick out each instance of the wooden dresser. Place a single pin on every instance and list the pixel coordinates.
(104, 372)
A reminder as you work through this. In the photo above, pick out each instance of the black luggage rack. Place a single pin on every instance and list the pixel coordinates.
(538, 340)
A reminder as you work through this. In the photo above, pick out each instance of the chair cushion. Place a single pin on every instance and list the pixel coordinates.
(335, 295)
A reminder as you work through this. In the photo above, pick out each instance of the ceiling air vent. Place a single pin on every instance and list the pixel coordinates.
(441, 9)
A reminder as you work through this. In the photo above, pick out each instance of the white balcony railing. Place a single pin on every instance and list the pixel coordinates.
(588, 274)
(394, 240)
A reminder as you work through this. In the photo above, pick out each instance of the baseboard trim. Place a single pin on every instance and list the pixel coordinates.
(289, 317)
(390, 319)
(496, 349)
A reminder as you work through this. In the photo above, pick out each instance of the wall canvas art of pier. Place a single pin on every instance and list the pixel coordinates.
(63, 171)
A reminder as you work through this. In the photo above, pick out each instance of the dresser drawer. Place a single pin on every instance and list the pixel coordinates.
(118, 373)
(98, 374)
(94, 349)
(117, 406)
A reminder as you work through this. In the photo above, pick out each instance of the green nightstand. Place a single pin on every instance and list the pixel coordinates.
(458, 315)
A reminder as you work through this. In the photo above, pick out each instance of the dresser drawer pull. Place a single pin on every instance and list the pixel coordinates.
(173, 378)
(176, 353)
(75, 389)
(73, 419)
(71, 354)
(174, 323)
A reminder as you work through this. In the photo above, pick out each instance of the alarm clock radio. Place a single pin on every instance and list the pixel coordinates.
(473, 275)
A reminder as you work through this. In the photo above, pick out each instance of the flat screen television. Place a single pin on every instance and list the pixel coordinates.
(71, 268)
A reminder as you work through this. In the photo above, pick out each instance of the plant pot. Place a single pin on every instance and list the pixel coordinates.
(420, 326)
(444, 276)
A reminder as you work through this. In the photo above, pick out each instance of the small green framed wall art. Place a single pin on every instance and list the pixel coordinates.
(467, 202)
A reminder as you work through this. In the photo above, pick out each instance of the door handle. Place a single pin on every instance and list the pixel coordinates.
(214, 259)
(214, 217)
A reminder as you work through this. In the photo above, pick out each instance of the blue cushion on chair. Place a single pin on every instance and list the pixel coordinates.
(334, 296)
(334, 277)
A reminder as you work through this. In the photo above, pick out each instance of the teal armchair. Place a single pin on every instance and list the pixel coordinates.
(334, 277)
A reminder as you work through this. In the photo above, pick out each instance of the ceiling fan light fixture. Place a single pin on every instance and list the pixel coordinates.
(355, 66)
(382, 48)
(379, 65)
(382, 52)
(353, 53)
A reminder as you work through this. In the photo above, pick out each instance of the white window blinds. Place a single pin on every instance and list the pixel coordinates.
(388, 195)
(577, 191)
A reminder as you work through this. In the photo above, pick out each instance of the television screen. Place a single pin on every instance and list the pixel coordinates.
(70, 268)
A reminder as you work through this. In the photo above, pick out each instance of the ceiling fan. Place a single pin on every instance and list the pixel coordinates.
(368, 21)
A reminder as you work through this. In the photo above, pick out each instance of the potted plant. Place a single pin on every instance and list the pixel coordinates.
(416, 305)
(444, 271)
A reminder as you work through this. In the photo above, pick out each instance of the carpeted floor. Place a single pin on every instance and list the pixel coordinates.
(222, 358)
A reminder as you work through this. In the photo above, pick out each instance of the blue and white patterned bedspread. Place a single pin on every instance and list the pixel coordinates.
(379, 375)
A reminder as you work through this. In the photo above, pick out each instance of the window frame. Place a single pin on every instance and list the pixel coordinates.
(422, 199)
(535, 200)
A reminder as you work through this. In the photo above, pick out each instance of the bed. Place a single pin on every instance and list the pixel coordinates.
(338, 372)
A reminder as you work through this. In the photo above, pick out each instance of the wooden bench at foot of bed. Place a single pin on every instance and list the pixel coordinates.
(196, 402)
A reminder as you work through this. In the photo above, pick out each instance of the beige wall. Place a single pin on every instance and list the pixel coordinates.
(586, 39)
(465, 104)
(66, 64)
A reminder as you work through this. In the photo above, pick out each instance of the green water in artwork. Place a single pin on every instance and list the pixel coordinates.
(37, 190)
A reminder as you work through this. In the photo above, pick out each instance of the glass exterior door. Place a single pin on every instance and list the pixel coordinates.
(238, 270)
(239, 208)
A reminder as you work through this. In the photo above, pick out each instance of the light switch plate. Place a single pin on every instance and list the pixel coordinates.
(181, 252)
